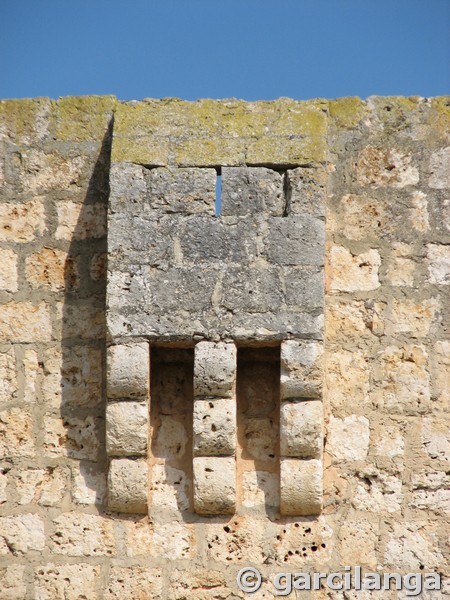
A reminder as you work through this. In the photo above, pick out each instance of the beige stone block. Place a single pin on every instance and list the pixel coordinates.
(138, 531)
(83, 319)
(388, 442)
(42, 486)
(418, 214)
(22, 222)
(98, 266)
(438, 256)
(304, 542)
(201, 583)
(241, 539)
(440, 169)
(25, 322)
(51, 269)
(301, 429)
(128, 485)
(378, 492)
(21, 534)
(413, 317)
(169, 488)
(79, 534)
(358, 542)
(215, 370)
(44, 172)
(260, 489)
(8, 379)
(170, 439)
(214, 485)
(12, 582)
(402, 266)
(436, 438)
(440, 372)
(16, 433)
(174, 541)
(360, 217)
(3, 484)
(347, 376)
(301, 369)
(8, 273)
(388, 166)
(402, 380)
(31, 370)
(128, 371)
(437, 501)
(214, 427)
(72, 436)
(348, 438)
(261, 439)
(70, 582)
(301, 487)
(354, 273)
(412, 546)
(134, 583)
(126, 428)
(88, 484)
(77, 221)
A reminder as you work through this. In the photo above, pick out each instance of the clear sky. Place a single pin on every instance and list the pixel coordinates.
(251, 49)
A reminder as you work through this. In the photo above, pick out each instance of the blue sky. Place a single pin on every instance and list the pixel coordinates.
(251, 49)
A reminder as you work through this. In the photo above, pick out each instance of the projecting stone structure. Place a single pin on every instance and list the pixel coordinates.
(180, 394)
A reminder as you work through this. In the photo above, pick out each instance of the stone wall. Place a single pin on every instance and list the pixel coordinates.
(382, 168)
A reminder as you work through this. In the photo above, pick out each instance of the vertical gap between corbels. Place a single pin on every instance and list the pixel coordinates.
(218, 191)
(287, 191)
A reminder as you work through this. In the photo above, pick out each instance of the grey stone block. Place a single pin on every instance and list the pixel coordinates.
(304, 288)
(252, 190)
(307, 191)
(296, 240)
(215, 370)
(251, 290)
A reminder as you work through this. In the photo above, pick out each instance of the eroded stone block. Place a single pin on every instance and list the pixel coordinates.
(214, 427)
(214, 485)
(252, 190)
(128, 371)
(214, 370)
(301, 369)
(300, 487)
(126, 428)
(128, 485)
(301, 429)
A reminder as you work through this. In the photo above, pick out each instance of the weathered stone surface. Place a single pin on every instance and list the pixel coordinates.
(301, 429)
(16, 434)
(8, 274)
(128, 371)
(411, 545)
(80, 221)
(78, 534)
(21, 223)
(131, 583)
(347, 374)
(385, 167)
(8, 378)
(25, 322)
(126, 428)
(241, 539)
(66, 581)
(52, 269)
(298, 240)
(358, 539)
(42, 486)
(353, 273)
(440, 170)
(438, 263)
(169, 488)
(348, 438)
(128, 485)
(214, 370)
(306, 191)
(72, 436)
(300, 487)
(260, 489)
(252, 190)
(21, 534)
(214, 427)
(301, 369)
(174, 541)
(12, 582)
(261, 437)
(214, 485)
(88, 484)
(170, 438)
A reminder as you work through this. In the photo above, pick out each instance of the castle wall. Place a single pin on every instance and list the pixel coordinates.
(381, 168)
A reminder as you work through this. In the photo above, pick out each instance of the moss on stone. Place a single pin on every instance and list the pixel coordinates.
(440, 116)
(19, 118)
(82, 118)
(347, 112)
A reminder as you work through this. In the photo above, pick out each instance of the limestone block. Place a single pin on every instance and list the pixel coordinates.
(20, 534)
(304, 288)
(358, 541)
(251, 290)
(12, 582)
(354, 273)
(25, 322)
(297, 240)
(126, 428)
(440, 169)
(413, 317)
(347, 375)
(297, 541)
(242, 539)
(171, 438)
(260, 489)
(8, 273)
(66, 581)
(88, 483)
(72, 436)
(16, 433)
(438, 256)
(348, 438)
(169, 488)
(174, 541)
(300, 487)
(21, 223)
(385, 167)
(307, 190)
(128, 188)
(78, 221)
(184, 191)
(43, 486)
(131, 583)
(261, 439)
(81, 534)
(214, 427)
(411, 545)
(301, 369)
(128, 485)
(252, 190)
(301, 429)
(215, 370)
(214, 485)
(8, 379)
(207, 584)
(3, 485)
(52, 269)
(128, 371)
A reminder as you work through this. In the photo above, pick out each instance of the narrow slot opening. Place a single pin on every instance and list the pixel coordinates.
(218, 192)
(171, 414)
(258, 425)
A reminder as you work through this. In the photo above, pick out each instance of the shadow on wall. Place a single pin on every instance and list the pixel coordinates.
(83, 388)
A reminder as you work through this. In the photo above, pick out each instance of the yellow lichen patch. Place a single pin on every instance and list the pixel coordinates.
(19, 119)
(283, 151)
(440, 116)
(347, 112)
(82, 118)
(210, 152)
(144, 151)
